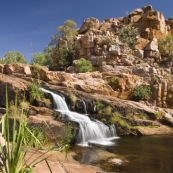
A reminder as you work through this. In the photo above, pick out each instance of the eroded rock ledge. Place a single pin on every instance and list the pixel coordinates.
(93, 87)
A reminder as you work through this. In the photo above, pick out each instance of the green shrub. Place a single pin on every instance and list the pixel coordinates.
(35, 93)
(165, 45)
(83, 66)
(128, 34)
(141, 92)
(107, 110)
(158, 115)
(36, 70)
(113, 80)
(69, 134)
(99, 105)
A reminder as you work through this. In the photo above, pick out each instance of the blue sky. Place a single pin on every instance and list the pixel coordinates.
(27, 25)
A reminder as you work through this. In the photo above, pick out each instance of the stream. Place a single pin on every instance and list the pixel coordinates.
(146, 154)
(99, 145)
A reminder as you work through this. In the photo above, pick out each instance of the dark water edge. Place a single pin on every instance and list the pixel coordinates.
(146, 154)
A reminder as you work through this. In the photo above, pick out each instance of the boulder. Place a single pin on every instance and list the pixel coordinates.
(9, 69)
(139, 53)
(115, 50)
(89, 24)
(153, 54)
(140, 44)
(1, 68)
(147, 9)
(152, 45)
(27, 70)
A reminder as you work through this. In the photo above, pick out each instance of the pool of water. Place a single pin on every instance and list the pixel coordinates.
(146, 154)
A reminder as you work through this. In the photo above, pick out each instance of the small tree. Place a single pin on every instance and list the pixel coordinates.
(141, 92)
(165, 45)
(83, 66)
(42, 59)
(66, 53)
(128, 34)
(12, 57)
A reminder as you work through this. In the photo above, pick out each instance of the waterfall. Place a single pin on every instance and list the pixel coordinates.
(84, 104)
(90, 131)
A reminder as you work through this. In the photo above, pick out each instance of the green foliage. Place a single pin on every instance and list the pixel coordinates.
(68, 29)
(36, 70)
(141, 92)
(13, 154)
(42, 59)
(109, 39)
(108, 110)
(104, 111)
(13, 150)
(83, 66)
(158, 115)
(35, 93)
(113, 80)
(69, 134)
(66, 53)
(12, 57)
(142, 116)
(128, 34)
(99, 105)
(115, 119)
(73, 97)
(40, 137)
(165, 45)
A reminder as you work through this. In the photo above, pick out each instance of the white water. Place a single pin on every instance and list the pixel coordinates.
(84, 104)
(90, 132)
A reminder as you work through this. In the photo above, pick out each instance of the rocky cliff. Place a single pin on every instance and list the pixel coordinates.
(118, 69)
(135, 118)
(97, 41)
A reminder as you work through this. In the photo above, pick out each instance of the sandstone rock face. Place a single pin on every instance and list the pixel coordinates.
(140, 44)
(155, 22)
(14, 85)
(1, 68)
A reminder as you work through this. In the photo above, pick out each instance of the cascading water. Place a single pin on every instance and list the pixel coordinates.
(84, 104)
(91, 131)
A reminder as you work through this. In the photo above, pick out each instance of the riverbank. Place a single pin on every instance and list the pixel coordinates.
(60, 164)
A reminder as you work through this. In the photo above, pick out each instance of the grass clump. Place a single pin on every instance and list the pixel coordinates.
(40, 136)
(116, 119)
(141, 116)
(73, 98)
(99, 105)
(16, 144)
(69, 134)
(35, 93)
(158, 115)
(36, 70)
(113, 80)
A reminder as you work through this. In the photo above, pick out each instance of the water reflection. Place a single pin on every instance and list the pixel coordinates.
(149, 154)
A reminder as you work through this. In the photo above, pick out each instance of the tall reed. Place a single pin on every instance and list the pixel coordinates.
(14, 149)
